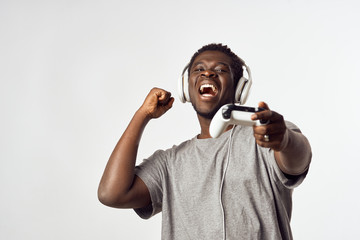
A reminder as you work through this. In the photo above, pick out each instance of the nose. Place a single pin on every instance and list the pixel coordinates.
(208, 73)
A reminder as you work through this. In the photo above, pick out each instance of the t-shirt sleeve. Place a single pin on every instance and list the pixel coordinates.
(152, 171)
(287, 181)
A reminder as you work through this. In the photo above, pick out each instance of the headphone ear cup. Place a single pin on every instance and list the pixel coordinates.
(246, 91)
(243, 87)
(183, 86)
(242, 90)
(186, 87)
(181, 90)
(239, 89)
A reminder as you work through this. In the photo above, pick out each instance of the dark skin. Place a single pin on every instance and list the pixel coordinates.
(121, 188)
(210, 67)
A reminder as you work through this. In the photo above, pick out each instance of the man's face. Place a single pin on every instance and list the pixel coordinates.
(211, 83)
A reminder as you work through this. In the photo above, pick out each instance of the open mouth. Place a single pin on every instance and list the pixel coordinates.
(208, 90)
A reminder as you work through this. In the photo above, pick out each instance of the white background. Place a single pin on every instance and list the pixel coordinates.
(73, 73)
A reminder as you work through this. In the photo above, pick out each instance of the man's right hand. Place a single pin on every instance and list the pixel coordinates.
(157, 102)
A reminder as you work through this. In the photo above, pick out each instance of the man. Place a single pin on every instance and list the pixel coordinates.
(236, 186)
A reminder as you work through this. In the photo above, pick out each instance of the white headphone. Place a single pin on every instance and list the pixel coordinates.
(241, 93)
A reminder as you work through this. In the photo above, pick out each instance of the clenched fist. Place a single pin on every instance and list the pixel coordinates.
(156, 103)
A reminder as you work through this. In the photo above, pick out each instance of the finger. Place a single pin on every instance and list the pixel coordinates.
(271, 141)
(170, 103)
(268, 115)
(164, 108)
(160, 94)
(273, 138)
(263, 115)
(263, 105)
(273, 128)
(276, 146)
(163, 97)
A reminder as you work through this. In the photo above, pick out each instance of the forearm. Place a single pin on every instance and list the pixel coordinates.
(119, 187)
(295, 156)
(118, 176)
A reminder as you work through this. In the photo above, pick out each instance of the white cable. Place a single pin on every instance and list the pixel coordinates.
(222, 183)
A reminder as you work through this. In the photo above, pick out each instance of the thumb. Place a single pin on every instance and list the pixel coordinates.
(163, 98)
(264, 105)
(164, 107)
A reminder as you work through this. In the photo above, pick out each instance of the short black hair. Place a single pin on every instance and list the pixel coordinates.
(236, 62)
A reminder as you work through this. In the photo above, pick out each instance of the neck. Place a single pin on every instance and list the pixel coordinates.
(204, 126)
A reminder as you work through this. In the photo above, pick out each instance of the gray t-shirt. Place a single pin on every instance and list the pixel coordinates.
(186, 183)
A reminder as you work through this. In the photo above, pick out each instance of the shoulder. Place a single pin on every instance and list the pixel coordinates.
(292, 126)
(170, 152)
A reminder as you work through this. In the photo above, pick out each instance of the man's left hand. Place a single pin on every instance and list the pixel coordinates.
(272, 134)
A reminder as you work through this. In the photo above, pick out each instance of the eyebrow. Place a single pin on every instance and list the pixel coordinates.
(221, 63)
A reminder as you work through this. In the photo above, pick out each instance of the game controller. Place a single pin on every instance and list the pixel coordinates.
(233, 114)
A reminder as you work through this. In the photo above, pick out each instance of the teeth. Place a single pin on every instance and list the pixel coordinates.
(207, 86)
